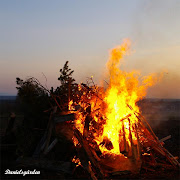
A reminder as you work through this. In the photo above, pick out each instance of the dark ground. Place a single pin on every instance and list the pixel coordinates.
(162, 115)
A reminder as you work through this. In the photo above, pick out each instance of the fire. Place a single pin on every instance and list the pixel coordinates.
(77, 161)
(111, 109)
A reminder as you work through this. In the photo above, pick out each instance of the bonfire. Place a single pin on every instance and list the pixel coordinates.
(108, 124)
(108, 131)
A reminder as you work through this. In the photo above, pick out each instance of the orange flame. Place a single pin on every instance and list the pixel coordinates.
(124, 90)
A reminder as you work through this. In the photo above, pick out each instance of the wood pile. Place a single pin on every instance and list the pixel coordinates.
(148, 153)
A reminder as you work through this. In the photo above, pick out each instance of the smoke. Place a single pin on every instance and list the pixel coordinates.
(156, 22)
(168, 87)
(155, 33)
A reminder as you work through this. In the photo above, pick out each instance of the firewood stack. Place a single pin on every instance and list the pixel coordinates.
(145, 152)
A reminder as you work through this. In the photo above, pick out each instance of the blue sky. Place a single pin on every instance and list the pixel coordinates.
(39, 36)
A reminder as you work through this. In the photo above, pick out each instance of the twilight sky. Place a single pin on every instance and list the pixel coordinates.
(37, 37)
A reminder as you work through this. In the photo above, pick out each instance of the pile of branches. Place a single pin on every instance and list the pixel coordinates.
(150, 153)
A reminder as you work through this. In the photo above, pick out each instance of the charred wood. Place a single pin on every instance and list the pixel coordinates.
(63, 118)
(88, 152)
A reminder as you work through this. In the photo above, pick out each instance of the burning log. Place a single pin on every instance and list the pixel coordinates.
(159, 148)
(88, 152)
(123, 146)
(138, 143)
(131, 153)
(86, 163)
(87, 121)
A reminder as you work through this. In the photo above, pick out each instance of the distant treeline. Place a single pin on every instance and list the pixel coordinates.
(6, 98)
(8, 104)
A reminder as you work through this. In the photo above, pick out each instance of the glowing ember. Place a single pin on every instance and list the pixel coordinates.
(113, 123)
(76, 160)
